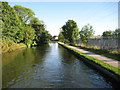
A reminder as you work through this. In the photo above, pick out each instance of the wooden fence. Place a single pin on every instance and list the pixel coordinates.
(110, 43)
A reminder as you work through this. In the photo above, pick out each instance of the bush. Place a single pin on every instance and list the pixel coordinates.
(8, 45)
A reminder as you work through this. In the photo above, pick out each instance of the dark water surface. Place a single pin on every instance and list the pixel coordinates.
(49, 66)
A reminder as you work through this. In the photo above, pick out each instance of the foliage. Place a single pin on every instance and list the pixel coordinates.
(117, 32)
(70, 31)
(11, 25)
(86, 32)
(29, 35)
(20, 26)
(108, 33)
(35, 23)
(24, 13)
(42, 36)
(8, 45)
(61, 37)
(7, 42)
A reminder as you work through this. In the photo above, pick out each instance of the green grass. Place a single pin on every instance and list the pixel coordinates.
(102, 52)
(8, 45)
(105, 65)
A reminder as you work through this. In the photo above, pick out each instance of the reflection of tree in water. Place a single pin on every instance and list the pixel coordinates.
(39, 53)
(68, 68)
(67, 56)
(8, 57)
(19, 62)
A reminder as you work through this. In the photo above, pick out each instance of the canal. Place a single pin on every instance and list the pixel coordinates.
(48, 66)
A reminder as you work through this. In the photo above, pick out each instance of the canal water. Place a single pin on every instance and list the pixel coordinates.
(48, 66)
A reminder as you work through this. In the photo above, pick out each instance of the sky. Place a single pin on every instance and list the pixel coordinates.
(101, 15)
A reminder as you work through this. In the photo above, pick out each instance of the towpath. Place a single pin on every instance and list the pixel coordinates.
(107, 60)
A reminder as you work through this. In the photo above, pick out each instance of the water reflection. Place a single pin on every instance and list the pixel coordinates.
(48, 66)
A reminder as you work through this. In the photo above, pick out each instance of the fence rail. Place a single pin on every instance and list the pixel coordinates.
(109, 43)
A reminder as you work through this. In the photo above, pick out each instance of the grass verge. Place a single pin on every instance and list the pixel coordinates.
(101, 52)
(105, 65)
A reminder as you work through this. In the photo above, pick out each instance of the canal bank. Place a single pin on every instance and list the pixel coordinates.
(109, 70)
(15, 46)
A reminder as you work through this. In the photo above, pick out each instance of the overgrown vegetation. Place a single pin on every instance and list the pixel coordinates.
(105, 65)
(8, 45)
(19, 25)
(108, 53)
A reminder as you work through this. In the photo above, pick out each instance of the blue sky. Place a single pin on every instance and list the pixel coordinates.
(101, 15)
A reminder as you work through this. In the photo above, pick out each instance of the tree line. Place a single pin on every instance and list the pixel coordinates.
(19, 25)
(110, 33)
(69, 32)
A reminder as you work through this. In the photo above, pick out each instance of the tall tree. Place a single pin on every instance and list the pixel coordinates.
(24, 13)
(20, 25)
(70, 31)
(86, 32)
(11, 24)
(42, 36)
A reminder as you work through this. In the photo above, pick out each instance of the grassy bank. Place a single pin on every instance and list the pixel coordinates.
(8, 46)
(102, 64)
(107, 53)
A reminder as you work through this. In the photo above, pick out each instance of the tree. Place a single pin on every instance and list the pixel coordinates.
(29, 35)
(42, 36)
(35, 21)
(11, 25)
(117, 32)
(38, 27)
(24, 13)
(70, 31)
(108, 33)
(86, 32)
(61, 37)
(20, 26)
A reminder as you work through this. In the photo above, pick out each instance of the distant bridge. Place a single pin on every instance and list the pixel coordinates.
(54, 38)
